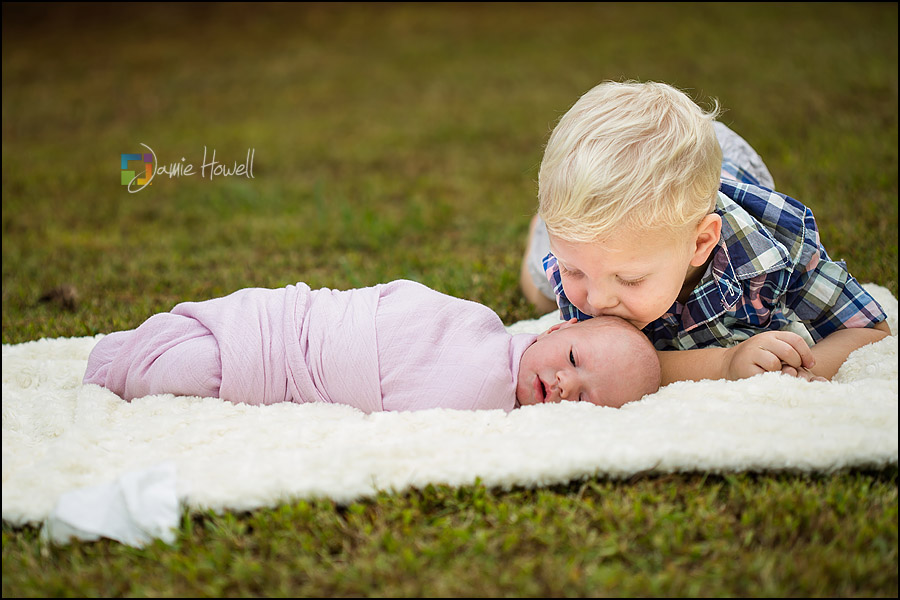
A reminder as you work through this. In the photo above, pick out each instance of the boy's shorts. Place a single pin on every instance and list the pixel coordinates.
(738, 151)
(734, 148)
(539, 248)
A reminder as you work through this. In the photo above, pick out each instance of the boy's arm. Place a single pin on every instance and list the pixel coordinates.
(691, 365)
(831, 352)
(769, 351)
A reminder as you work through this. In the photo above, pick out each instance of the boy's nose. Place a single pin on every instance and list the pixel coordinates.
(601, 299)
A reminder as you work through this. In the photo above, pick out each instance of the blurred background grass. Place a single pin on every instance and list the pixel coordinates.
(397, 140)
(403, 140)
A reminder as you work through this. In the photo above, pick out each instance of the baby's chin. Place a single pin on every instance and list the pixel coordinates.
(523, 395)
(527, 388)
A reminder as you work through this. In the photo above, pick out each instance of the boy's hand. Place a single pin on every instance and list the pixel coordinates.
(771, 351)
(802, 373)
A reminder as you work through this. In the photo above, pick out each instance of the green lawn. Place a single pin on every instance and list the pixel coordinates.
(403, 141)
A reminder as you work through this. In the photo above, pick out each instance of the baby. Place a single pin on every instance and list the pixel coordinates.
(391, 347)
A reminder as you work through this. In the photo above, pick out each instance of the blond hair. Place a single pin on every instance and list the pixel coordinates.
(629, 154)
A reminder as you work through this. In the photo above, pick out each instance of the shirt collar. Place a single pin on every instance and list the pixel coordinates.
(749, 248)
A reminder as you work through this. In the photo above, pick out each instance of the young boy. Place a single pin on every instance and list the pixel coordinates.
(391, 347)
(647, 222)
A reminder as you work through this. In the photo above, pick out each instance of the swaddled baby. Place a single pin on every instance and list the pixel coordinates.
(391, 347)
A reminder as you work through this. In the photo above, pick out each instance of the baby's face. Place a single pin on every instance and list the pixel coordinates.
(602, 361)
(635, 277)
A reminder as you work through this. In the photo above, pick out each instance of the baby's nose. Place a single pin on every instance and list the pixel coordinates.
(564, 384)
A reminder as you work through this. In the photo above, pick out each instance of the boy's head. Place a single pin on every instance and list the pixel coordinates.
(604, 361)
(627, 187)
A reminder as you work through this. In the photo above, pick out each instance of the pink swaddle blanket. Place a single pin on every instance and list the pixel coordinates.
(395, 346)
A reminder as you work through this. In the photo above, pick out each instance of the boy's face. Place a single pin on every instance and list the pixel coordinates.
(636, 276)
(585, 362)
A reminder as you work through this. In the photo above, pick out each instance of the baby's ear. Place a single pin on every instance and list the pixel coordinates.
(558, 326)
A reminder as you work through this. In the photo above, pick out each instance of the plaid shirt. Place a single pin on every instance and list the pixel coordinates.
(768, 271)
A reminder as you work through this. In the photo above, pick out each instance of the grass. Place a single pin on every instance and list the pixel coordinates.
(403, 140)
(694, 535)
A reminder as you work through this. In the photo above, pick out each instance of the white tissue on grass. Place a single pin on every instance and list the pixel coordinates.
(136, 508)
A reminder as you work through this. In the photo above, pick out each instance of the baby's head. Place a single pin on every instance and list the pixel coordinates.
(627, 188)
(604, 361)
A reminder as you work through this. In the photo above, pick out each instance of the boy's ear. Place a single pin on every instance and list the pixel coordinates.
(707, 236)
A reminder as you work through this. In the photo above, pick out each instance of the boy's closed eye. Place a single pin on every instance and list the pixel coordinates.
(631, 282)
(575, 274)
(571, 273)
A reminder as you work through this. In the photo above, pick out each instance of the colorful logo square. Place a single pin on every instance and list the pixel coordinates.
(143, 174)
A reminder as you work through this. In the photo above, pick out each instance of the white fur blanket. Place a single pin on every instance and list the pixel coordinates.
(59, 435)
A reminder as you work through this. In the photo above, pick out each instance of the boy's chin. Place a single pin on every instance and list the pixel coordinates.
(639, 325)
